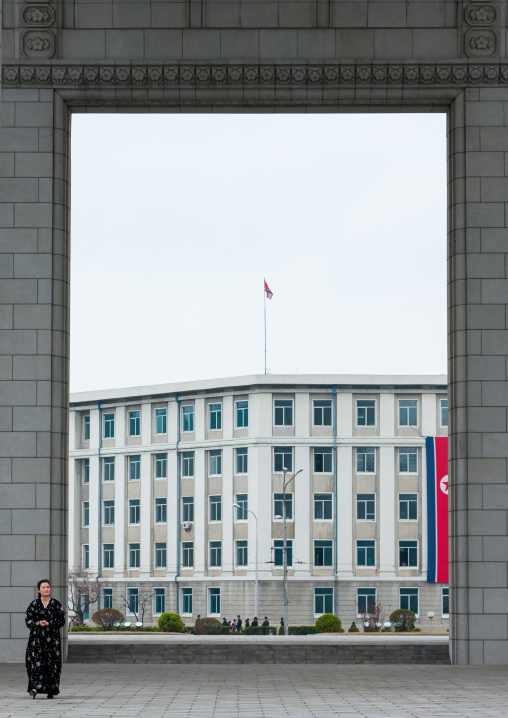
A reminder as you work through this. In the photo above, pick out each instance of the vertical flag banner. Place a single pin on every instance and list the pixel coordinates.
(267, 294)
(268, 291)
(437, 508)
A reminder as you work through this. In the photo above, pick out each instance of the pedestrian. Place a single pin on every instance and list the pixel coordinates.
(266, 622)
(232, 626)
(44, 617)
(247, 624)
(255, 623)
(224, 622)
(238, 623)
(282, 623)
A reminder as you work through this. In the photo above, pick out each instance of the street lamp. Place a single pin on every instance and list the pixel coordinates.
(256, 583)
(285, 547)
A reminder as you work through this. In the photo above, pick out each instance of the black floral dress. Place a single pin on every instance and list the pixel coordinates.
(44, 650)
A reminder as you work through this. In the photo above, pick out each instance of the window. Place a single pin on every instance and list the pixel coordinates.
(109, 512)
(408, 507)
(366, 412)
(283, 412)
(282, 459)
(215, 508)
(187, 554)
(408, 412)
(161, 421)
(188, 418)
(187, 464)
(134, 467)
(86, 427)
(188, 508)
(323, 461)
(243, 504)
(85, 554)
(365, 460)
(323, 553)
(215, 554)
(408, 598)
(85, 513)
(85, 471)
(109, 555)
(277, 506)
(242, 414)
(278, 552)
(365, 553)
(161, 466)
(242, 553)
(85, 605)
(408, 460)
(134, 423)
(323, 507)
(109, 426)
(159, 600)
(109, 468)
(134, 555)
(107, 597)
(215, 417)
(160, 510)
(366, 507)
(160, 555)
(444, 412)
(187, 601)
(445, 602)
(322, 413)
(216, 462)
(408, 553)
(134, 511)
(323, 601)
(214, 601)
(241, 461)
(365, 598)
(133, 600)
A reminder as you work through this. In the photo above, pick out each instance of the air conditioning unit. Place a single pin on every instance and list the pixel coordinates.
(187, 525)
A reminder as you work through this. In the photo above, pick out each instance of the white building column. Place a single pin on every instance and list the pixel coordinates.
(200, 499)
(146, 548)
(386, 512)
(302, 491)
(228, 558)
(120, 513)
(345, 512)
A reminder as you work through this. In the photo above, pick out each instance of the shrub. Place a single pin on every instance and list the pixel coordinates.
(403, 620)
(328, 623)
(416, 630)
(260, 630)
(208, 626)
(386, 630)
(299, 630)
(353, 629)
(170, 623)
(107, 617)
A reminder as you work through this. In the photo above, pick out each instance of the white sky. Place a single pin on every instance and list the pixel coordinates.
(176, 219)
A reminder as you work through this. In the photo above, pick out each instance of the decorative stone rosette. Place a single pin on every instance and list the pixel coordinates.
(38, 41)
(481, 31)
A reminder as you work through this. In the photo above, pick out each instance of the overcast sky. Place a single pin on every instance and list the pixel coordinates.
(176, 219)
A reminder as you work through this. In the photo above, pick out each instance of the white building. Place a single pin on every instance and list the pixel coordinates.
(165, 464)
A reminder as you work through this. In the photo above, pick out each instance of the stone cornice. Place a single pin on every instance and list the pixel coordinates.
(185, 74)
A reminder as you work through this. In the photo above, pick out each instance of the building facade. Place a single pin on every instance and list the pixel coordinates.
(171, 485)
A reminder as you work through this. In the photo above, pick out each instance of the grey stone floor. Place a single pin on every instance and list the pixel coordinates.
(262, 691)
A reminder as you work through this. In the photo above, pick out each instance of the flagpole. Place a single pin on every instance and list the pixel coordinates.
(264, 304)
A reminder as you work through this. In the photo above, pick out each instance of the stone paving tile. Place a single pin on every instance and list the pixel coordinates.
(259, 691)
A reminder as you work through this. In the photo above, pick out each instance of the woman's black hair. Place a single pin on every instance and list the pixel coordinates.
(44, 580)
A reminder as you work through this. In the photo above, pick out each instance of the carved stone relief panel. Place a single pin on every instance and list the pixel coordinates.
(38, 41)
(481, 22)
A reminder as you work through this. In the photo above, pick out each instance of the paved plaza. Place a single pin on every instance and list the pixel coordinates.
(262, 691)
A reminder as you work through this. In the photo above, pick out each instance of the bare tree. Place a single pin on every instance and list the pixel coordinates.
(374, 615)
(83, 591)
(139, 608)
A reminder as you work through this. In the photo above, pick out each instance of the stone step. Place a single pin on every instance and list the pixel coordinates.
(206, 652)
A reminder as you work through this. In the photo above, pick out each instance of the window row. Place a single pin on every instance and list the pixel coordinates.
(322, 509)
(323, 554)
(282, 462)
(366, 598)
(283, 415)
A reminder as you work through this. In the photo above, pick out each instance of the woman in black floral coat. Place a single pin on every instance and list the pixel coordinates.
(44, 618)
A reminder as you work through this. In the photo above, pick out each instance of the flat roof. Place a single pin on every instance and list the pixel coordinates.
(261, 380)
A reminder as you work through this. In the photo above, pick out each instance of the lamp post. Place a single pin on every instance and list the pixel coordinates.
(256, 582)
(285, 547)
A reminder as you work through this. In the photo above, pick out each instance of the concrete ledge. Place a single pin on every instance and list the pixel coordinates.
(269, 651)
